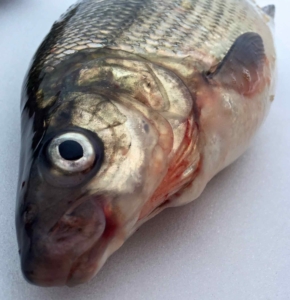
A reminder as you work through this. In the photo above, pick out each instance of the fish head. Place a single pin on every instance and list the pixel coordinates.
(98, 162)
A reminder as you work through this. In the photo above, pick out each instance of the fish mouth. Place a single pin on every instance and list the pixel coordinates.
(68, 253)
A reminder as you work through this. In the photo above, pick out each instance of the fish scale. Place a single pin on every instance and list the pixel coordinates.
(153, 28)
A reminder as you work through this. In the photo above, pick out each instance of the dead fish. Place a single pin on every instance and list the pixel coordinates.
(130, 107)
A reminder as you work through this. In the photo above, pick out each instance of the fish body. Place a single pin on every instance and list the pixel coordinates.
(130, 107)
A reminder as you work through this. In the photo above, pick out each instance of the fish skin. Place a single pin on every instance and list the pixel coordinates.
(165, 92)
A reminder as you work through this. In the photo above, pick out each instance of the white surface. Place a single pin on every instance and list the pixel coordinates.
(231, 244)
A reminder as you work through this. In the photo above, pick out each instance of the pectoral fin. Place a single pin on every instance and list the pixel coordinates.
(270, 10)
(242, 66)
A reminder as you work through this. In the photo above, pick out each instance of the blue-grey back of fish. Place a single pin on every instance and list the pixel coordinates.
(130, 107)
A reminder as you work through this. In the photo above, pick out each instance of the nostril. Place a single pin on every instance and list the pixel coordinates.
(29, 214)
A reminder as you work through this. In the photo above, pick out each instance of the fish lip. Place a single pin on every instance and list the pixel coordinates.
(53, 268)
(43, 281)
(87, 265)
(71, 280)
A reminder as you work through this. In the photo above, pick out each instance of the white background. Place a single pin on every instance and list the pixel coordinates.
(233, 243)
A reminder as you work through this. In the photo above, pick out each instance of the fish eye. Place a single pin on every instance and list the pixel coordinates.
(71, 152)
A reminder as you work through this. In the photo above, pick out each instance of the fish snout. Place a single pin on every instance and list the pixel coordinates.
(48, 258)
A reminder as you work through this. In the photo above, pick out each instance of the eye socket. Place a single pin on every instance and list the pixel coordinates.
(71, 152)
(70, 158)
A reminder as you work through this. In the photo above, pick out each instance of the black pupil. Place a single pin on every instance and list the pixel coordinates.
(71, 150)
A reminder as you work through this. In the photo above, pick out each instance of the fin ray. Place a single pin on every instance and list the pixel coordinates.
(241, 66)
(270, 10)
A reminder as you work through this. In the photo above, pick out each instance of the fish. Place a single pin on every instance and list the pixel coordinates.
(130, 107)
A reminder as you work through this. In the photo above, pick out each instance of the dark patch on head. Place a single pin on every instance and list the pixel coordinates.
(63, 116)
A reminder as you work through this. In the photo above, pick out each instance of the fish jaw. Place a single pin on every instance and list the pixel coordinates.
(76, 247)
(47, 257)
